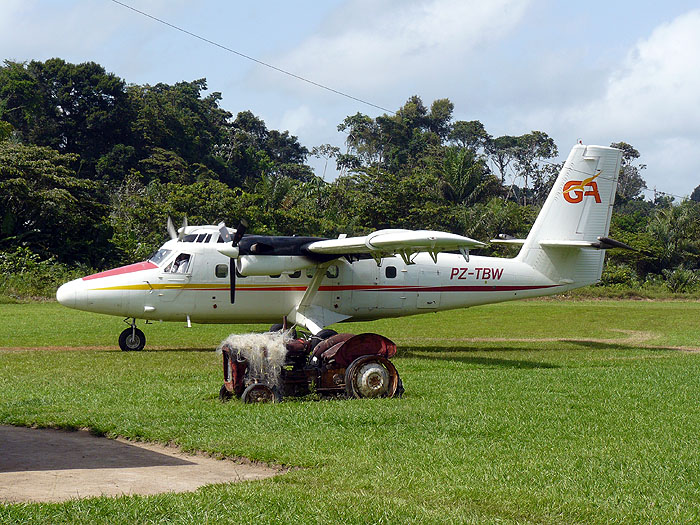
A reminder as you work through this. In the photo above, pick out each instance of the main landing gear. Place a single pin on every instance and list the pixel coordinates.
(132, 339)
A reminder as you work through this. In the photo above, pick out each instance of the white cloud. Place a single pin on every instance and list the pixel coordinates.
(80, 30)
(369, 46)
(299, 120)
(655, 93)
(650, 100)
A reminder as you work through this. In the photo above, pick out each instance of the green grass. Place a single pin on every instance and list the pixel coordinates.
(584, 424)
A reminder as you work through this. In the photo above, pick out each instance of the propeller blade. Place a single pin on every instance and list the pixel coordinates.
(223, 231)
(240, 231)
(181, 234)
(232, 251)
(171, 229)
(232, 278)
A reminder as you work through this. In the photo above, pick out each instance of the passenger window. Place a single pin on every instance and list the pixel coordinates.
(390, 272)
(332, 271)
(295, 275)
(276, 276)
(207, 238)
(310, 272)
(200, 237)
(221, 271)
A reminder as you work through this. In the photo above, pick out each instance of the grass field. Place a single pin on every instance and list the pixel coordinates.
(531, 412)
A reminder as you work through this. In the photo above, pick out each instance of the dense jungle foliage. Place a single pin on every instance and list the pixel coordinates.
(91, 167)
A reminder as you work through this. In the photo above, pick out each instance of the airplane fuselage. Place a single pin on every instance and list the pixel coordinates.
(360, 290)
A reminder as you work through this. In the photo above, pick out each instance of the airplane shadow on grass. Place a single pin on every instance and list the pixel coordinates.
(455, 354)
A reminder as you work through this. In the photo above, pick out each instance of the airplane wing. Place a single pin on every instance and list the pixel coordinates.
(406, 243)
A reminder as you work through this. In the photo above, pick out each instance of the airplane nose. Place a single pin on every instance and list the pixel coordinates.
(67, 294)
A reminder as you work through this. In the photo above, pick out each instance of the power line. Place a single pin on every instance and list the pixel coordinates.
(247, 57)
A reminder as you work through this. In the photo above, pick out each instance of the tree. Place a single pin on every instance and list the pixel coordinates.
(675, 230)
(465, 178)
(44, 205)
(179, 119)
(630, 183)
(469, 134)
(695, 196)
(530, 150)
(250, 150)
(502, 152)
(326, 152)
(72, 108)
(5, 130)
(363, 141)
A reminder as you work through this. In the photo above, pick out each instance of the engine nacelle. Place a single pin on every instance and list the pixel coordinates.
(272, 264)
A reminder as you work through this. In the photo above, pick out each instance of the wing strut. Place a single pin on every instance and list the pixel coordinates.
(312, 316)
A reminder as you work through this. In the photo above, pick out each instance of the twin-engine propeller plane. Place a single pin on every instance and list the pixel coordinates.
(210, 274)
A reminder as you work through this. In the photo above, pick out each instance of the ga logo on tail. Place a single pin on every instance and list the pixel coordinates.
(575, 190)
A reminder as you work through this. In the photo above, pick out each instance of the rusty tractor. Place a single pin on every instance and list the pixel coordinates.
(328, 364)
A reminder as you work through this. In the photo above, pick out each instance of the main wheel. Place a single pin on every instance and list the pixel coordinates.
(371, 376)
(320, 336)
(280, 328)
(132, 340)
(259, 393)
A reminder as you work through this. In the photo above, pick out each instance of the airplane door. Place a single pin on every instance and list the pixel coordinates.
(395, 278)
(429, 288)
(365, 285)
(173, 284)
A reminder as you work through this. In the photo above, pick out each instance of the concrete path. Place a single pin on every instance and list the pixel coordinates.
(54, 465)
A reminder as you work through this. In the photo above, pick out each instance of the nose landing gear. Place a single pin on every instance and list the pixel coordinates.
(132, 339)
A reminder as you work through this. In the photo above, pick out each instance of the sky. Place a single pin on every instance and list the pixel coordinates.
(595, 71)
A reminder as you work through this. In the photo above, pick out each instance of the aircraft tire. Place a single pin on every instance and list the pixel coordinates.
(132, 342)
(320, 336)
(278, 328)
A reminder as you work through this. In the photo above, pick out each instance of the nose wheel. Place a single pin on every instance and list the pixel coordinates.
(132, 340)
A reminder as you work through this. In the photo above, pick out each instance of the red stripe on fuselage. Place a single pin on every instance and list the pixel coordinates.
(146, 265)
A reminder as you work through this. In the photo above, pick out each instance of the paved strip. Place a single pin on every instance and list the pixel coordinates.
(45, 465)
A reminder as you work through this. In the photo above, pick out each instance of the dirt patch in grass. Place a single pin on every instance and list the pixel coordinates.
(92, 348)
(46, 465)
(632, 338)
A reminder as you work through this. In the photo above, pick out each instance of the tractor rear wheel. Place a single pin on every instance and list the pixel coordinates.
(371, 376)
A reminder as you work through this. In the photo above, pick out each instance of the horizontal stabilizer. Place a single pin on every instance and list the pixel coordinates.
(512, 241)
(603, 243)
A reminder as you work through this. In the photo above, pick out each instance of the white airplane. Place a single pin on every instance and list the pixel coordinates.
(210, 274)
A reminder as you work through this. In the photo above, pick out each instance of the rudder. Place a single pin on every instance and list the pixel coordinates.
(575, 215)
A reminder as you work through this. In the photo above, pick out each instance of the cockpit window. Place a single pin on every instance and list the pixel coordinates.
(160, 256)
(181, 264)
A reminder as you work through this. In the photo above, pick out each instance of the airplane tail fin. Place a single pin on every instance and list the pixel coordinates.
(562, 243)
